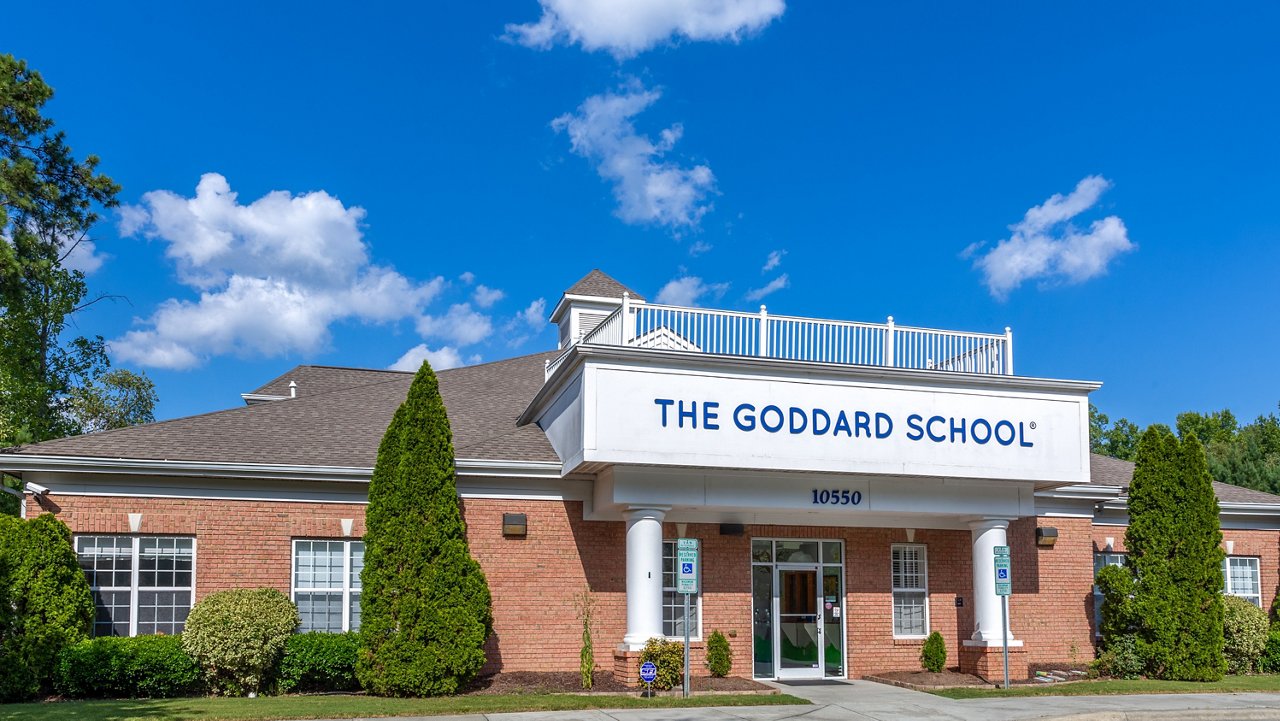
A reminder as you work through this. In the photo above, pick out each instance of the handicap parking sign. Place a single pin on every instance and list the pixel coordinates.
(1002, 573)
(686, 568)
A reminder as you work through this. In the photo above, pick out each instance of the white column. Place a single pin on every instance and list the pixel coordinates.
(644, 576)
(988, 625)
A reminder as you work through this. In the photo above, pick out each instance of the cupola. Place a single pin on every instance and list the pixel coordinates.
(586, 303)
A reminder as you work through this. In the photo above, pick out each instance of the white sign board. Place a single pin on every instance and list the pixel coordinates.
(1004, 573)
(687, 565)
(687, 419)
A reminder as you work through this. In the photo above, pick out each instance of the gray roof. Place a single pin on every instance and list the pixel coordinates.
(600, 285)
(1107, 471)
(337, 419)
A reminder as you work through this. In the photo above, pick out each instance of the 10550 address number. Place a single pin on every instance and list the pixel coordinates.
(836, 497)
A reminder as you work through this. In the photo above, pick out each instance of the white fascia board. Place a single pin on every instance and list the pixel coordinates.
(251, 398)
(18, 464)
(1250, 510)
(1081, 492)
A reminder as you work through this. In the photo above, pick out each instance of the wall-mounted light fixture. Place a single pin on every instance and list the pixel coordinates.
(515, 525)
(1046, 537)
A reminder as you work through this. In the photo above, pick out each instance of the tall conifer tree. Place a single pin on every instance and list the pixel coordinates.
(1175, 556)
(426, 609)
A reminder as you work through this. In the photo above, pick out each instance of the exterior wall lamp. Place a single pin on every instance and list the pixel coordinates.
(1046, 537)
(515, 525)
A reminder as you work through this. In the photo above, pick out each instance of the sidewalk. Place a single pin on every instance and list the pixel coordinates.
(866, 700)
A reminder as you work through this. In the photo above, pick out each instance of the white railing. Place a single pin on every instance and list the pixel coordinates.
(734, 333)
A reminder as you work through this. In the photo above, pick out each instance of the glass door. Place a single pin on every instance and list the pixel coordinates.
(799, 629)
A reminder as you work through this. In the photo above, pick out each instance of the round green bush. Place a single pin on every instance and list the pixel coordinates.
(1122, 659)
(238, 636)
(668, 656)
(113, 667)
(719, 655)
(1245, 630)
(933, 655)
(320, 662)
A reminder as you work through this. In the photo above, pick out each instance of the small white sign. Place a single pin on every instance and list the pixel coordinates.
(687, 565)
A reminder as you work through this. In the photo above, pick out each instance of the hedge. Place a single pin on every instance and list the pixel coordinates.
(141, 667)
(320, 662)
(1245, 631)
(668, 656)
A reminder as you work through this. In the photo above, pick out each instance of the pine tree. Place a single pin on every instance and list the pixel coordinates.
(426, 609)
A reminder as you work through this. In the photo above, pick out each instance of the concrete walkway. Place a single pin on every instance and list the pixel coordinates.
(866, 700)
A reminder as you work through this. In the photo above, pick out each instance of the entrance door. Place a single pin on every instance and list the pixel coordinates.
(799, 629)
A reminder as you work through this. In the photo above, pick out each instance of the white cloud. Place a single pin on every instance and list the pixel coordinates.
(467, 277)
(773, 261)
(440, 359)
(535, 314)
(648, 188)
(627, 28)
(699, 247)
(485, 297)
(272, 276)
(1045, 245)
(82, 256)
(462, 325)
(773, 286)
(688, 290)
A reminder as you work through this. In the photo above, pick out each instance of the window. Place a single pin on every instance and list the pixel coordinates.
(910, 591)
(326, 584)
(141, 584)
(1101, 561)
(1240, 577)
(673, 602)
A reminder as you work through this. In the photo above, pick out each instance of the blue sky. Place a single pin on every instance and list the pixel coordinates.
(900, 160)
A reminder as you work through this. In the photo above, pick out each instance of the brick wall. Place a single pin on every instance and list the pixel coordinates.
(536, 580)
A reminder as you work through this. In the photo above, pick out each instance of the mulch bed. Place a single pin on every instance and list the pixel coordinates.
(942, 679)
(517, 682)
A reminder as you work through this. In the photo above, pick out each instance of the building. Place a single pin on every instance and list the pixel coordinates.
(847, 482)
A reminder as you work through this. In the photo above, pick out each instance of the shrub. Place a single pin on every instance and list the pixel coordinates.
(1270, 661)
(933, 655)
(1116, 586)
(719, 655)
(1245, 632)
(1122, 658)
(668, 656)
(587, 656)
(320, 662)
(45, 603)
(237, 637)
(110, 667)
(426, 609)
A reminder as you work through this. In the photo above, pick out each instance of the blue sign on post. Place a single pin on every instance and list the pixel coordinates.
(648, 672)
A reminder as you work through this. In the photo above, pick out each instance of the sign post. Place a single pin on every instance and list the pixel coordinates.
(686, 584)
(1004, 587)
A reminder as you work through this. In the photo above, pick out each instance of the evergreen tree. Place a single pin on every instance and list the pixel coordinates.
(1175, 557)
(426, 609)
(1152, 538)
(1197, 568)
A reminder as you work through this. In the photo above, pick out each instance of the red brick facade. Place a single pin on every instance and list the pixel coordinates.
(536, 580)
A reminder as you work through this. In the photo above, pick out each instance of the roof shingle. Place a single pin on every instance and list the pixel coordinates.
(600, 285)
(1107, 471)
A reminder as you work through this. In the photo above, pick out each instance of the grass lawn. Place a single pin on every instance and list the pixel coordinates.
(328, 707)
(1230, 684)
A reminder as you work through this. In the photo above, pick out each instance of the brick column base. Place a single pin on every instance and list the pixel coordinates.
(626, 668)
(988, 662)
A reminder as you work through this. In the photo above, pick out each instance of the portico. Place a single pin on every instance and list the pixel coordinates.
(677, 435)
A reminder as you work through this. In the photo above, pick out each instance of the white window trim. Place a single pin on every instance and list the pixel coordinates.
(695, 604)
(347, 589)
(924, 562)
(1257, 575)
(135, 546)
